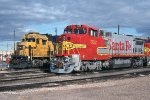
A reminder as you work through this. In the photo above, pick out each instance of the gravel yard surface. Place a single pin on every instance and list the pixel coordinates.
(54, 78)
(126, 89)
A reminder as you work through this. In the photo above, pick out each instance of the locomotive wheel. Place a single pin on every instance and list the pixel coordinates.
(84, 68)
(91, 67)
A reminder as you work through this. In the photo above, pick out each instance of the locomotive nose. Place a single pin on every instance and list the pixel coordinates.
(64, 37)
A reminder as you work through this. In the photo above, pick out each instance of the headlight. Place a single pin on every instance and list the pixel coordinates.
(54, 59)
(64, 38)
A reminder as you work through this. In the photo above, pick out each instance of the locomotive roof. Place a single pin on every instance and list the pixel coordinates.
(88, 26)
(36, 34)
(33, 33)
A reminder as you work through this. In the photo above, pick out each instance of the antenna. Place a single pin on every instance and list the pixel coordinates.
(55, 42)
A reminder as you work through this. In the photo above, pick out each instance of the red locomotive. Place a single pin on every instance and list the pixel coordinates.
(83, 48)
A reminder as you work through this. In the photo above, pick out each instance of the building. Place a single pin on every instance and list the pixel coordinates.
(5, 54)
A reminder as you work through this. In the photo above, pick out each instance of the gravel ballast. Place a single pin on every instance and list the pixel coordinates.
(126, 89)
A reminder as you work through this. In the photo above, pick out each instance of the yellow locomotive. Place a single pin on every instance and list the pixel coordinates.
(38, 48)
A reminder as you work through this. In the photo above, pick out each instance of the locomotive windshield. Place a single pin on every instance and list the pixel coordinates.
(68, 31)
(30, 39)
(79, 31)
(76, 31)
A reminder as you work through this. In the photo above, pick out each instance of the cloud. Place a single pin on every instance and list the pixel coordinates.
(19, 14)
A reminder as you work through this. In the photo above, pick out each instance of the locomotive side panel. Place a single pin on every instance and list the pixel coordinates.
(123, 50)
(124, 45)
(120, 44)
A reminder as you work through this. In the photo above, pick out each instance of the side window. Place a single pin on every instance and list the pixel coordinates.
(31, 39)
(89, 32)
(92, 33)
(44, 42)
(135, 50)
(38, 41)
(101, 32)
(96, 33)
(84, 31)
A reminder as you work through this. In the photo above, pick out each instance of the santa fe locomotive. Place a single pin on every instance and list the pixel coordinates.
(34, 47)
(83, 48)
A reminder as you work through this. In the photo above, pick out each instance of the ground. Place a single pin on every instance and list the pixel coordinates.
(126, 89)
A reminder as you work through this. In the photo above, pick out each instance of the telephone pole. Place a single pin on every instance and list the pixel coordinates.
(118, 29)
(14, 41)
(56, 30)
(7, 45)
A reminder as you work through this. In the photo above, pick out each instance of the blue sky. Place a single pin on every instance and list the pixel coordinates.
(44, 15)
(127, 31)
(49, 28)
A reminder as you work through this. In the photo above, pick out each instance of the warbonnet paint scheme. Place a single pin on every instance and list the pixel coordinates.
(82, 48)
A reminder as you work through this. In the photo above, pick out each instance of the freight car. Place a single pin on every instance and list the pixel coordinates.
(37, 48)
(83, 48)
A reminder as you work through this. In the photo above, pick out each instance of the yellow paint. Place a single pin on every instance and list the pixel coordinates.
(68, 46)
(38, 49)
(147, 50)
(102, 47)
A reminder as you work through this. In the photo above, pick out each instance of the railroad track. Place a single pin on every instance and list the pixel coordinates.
(10, 73)
(25, 77)
(24, 74)
(22, 71)
(31, 74)
(53, 81)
